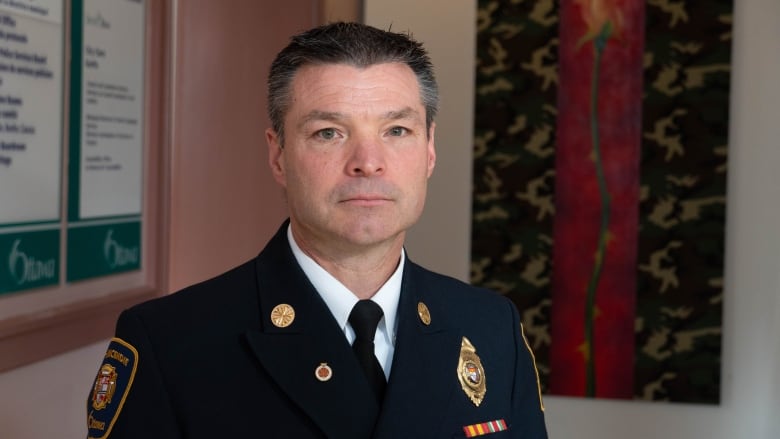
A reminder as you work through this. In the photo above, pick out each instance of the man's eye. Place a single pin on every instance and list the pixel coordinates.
(326, 134)
(397, 131)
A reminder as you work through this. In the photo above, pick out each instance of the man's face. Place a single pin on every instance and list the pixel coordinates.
(356, 155)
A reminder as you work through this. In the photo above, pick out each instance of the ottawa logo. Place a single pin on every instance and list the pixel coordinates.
(105, 385)
(116, 255)
(26, 269)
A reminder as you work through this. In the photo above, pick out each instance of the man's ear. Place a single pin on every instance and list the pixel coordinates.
(275, 156)
(431, 149)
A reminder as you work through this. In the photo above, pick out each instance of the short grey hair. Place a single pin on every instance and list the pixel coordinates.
(353, 44)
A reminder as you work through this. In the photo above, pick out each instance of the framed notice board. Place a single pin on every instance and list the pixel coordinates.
(81, 163)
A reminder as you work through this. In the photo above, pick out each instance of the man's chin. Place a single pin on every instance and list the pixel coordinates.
(372, 234)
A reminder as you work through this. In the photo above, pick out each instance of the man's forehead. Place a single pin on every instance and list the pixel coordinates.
(337, 91)
(391, 74)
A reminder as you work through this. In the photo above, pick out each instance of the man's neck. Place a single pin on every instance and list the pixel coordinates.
(363, 270)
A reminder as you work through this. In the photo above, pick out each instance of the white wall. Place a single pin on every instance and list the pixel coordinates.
(450, 37)
(47, 399)
(750, 405)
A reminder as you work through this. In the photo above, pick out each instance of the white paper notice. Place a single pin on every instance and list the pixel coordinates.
(31, 36)
(112, 108)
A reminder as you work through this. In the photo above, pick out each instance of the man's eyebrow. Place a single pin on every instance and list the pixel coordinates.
(321, 115)
(404, 113)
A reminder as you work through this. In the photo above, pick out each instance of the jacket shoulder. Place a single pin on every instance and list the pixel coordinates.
(227, 297)
(451, 288)
(460, 301)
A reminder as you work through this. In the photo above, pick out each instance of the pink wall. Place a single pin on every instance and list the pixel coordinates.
(224, 202)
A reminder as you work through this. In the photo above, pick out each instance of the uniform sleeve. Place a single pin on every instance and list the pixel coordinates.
(129, 398)
(527, 404)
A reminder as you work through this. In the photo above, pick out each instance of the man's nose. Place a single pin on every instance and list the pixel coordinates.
(366, 157)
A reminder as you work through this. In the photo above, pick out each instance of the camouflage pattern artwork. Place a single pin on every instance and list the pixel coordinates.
(680, 242)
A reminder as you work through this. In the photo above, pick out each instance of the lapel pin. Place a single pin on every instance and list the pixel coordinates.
(282, 315)
(471, 374)
(323, 372)
(424, 313)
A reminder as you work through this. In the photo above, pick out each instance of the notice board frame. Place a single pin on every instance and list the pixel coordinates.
(34, 336)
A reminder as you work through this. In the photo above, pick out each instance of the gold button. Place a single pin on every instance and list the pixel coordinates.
(282, 315)
(425, 315)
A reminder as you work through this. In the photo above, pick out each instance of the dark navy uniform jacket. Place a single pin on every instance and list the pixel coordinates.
(209, 363)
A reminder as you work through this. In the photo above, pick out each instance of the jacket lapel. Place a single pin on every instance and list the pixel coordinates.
(424, 366)
(342, 406)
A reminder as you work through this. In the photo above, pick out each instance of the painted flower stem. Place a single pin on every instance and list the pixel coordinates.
(590, 302)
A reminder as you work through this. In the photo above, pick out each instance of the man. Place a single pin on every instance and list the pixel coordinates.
(288, 344)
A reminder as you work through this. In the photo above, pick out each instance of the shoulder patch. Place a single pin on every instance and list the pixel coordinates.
(111, 387)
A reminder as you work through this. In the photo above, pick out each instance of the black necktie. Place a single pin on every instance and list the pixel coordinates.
(364, 318)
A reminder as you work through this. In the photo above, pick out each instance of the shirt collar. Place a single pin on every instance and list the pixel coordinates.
(340, 300)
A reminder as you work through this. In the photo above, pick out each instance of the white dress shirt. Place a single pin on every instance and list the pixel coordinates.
(340, 300)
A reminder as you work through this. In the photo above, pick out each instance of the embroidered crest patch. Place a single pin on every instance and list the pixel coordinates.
(111, 387)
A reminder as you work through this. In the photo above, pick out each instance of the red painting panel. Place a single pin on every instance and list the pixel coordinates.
(597, 178)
